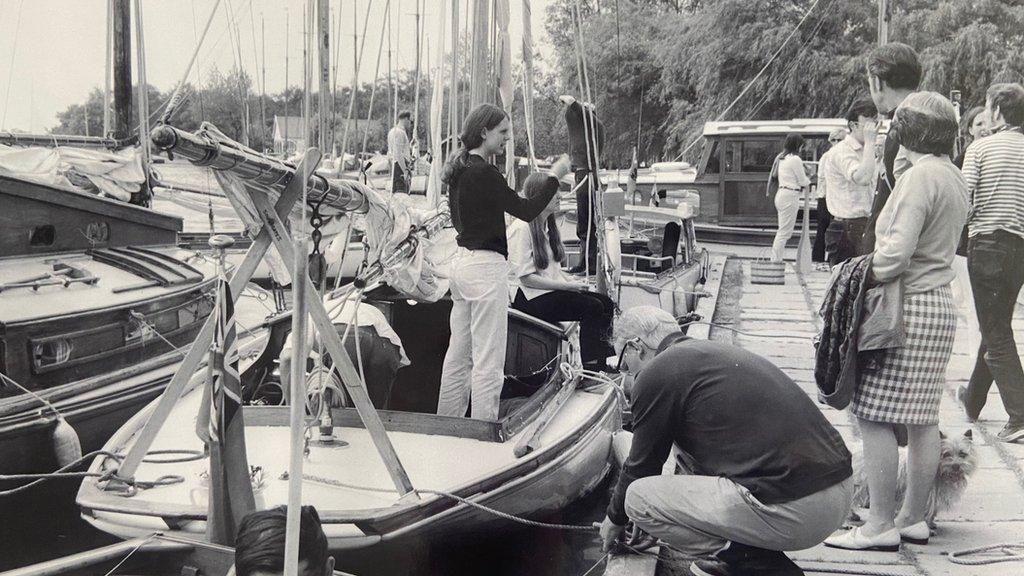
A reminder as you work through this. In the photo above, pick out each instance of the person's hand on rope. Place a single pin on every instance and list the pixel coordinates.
(561, 167)
(610, 533)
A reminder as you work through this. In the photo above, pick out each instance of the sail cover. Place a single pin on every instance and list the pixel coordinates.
(112, 174)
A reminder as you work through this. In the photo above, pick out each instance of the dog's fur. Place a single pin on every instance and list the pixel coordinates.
(956, 464)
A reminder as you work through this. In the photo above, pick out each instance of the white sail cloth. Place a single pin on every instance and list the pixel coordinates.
(114, 174)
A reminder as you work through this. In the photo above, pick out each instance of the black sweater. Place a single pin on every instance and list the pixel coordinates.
(479, 201)
(738, 416)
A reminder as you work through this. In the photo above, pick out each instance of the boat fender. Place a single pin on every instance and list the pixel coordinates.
(66, 445)
(621, 443)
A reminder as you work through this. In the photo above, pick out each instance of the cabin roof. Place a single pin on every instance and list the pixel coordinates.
(775, 127)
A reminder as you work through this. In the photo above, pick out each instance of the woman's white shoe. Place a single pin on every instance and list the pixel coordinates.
(856, 539)
(916, 533)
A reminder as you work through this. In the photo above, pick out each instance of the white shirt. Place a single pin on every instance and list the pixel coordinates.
(792, 175)
(398, 147)
(847, 198)
(520, 260)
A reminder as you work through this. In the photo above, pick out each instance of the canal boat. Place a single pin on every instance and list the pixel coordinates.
(95, 303)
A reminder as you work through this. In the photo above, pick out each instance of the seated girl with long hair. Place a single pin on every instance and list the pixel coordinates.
(544, 291)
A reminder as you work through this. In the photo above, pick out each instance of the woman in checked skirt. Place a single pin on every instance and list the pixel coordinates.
(917, 234)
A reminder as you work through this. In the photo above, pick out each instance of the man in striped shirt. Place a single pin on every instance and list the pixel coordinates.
(994, 170)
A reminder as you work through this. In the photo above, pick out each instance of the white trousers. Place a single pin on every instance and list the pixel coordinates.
(787, 202)
(963, 297)
(474, 367)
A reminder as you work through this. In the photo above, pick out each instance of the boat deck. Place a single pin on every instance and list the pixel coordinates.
(780, 322)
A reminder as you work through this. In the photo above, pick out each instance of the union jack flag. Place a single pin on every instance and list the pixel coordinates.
(221, 427)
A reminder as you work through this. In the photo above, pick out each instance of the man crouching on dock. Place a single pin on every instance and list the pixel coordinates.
(766, 473)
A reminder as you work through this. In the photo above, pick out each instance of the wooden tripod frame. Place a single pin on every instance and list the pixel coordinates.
(275, 231)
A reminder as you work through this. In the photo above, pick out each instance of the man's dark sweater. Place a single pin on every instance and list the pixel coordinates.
(576, 115)
(479, 201)
(883, 186)
(738, 416)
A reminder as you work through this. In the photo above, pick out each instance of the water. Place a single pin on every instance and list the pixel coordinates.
(46, 525)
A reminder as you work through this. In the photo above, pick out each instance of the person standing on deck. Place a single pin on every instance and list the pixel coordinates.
(479, 197)
(400, 153)
(917, 234)
(824, 217)
(894, 72)
(850, 172)
(765, 471)
(994, 169)
(585, 132)
(793, 183)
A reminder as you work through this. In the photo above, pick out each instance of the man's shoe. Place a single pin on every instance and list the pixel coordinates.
(961, 396)
(742, 560)
(1011, 432)
(856, 539)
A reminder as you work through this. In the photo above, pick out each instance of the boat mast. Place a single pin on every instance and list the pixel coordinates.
(122, 71)
(108, 69)
(883, 22)
(145, 194)
(287, 33)
(481, 48)
(324, 54)
(416, 84)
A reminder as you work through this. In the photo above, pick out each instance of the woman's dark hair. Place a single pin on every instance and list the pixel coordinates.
(259, 546)
(794, 142)
(925, 122)
(863, 106)
(968, 119)
(532, 187)
(896, 64)
(483, 117)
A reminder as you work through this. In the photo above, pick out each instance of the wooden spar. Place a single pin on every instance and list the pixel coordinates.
(504, 76)
(357, 56)
(324, 53)
(436, 126)
(287, 33)
(263, 81)
(21, 139)
(453, 86)
(122, 31)
(147, 158)
(108, 68)
(264, 171)
(416, 88)
(883, 22)
(297, 412)
(391, 86)
(376, 73)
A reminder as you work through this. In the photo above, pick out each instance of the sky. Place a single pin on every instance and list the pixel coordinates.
(52, 51)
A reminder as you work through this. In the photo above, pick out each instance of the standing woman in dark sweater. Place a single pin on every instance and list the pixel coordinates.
(479, 197)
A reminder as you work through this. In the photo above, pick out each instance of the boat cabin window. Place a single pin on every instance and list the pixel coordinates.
(713, 163)
(42, 235)
(751, 155)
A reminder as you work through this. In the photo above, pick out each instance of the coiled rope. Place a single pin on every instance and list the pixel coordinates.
(1005, 552)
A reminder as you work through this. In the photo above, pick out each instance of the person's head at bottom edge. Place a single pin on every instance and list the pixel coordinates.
(259, 547)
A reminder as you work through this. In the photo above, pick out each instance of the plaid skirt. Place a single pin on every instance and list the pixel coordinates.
(907, 386)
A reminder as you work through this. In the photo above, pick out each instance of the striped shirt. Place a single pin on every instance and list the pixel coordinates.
(994, 170)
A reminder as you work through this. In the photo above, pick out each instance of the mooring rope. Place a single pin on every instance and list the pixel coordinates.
(1012, 552)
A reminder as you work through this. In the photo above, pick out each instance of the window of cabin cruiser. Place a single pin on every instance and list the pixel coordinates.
(712, 162)
(751, 155)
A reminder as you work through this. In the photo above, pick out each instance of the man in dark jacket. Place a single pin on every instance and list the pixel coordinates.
(767, 472)
(586, 145)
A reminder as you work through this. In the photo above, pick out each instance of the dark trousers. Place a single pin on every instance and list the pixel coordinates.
(381, 360)
(995, 263)
(585, 226)
(844, 239)
(824, 219)
(398, 179)
(592, 310)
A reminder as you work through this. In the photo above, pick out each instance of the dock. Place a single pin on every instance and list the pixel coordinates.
(779, 322)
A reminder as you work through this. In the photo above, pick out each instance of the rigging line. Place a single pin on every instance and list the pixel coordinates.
(199, 78)
(376, 74)
(10, 68)
(169, 112)
(753, 81)
(801, 52)
(355, 86)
